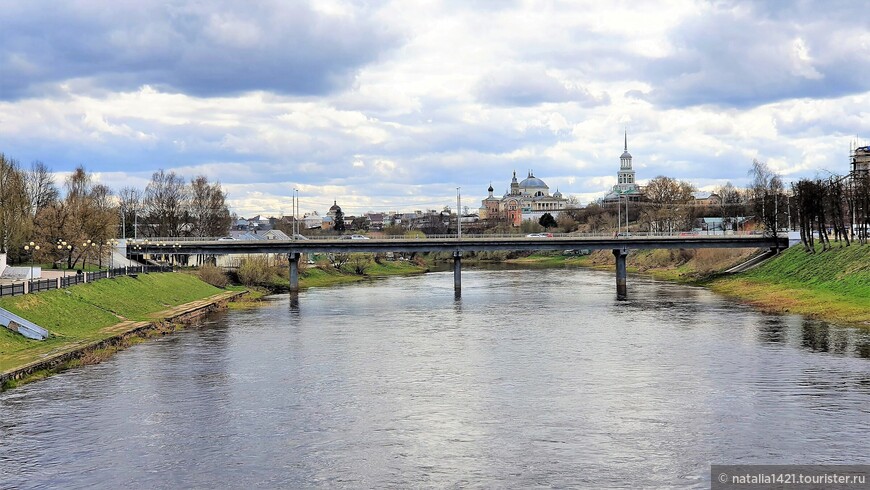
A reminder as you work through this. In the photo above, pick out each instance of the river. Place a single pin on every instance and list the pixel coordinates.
(531, 378)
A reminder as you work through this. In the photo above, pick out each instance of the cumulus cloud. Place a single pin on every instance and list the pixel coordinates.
(394, 104)
(203, 49)
(743, 56)
(526, 86)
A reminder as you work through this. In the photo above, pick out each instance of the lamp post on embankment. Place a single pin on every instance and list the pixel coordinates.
(32, 248)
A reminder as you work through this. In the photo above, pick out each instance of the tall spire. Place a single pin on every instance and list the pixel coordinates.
(626, 140)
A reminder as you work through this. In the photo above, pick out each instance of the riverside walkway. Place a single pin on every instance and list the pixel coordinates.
(620, 246)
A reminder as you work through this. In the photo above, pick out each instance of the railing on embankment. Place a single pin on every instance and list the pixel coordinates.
(35, 286)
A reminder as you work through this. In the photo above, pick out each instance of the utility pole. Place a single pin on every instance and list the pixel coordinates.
(776, 213)
(626, 213)
(618, 213)
(458, 214)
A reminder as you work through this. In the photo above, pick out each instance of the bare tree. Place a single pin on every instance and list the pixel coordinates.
(40, 186)
(209, 215)
(360, 262)
(130, 204)
(767, 195)
(730, 202)
(667, 208)
(15, 222)
(85, 216)
(338, 259)
(166, 204)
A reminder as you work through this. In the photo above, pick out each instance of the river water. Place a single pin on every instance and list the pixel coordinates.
(531, 378)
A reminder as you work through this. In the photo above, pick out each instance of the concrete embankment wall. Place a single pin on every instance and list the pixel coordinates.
(183, 315)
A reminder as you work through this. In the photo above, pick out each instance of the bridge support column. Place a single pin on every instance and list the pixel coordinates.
(621, 274)
(457, 271)
(294, 272)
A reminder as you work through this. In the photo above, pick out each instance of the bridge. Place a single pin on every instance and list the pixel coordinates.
(457, 246)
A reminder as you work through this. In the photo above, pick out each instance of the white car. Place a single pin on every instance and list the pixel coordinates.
(355, 237)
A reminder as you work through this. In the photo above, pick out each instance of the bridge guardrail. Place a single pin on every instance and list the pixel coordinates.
(167, 241)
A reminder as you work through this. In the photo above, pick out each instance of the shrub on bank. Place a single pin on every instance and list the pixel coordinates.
(255, 270)
(213, 275)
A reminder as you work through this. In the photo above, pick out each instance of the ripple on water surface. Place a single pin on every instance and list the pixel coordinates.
(531, 378)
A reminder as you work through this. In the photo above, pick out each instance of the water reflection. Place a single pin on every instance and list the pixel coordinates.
(530, 378)
(814, 335)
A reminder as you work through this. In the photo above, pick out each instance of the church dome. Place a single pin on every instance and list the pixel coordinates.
(557, 194)
(532, 182)
(625, 154)
(335, 207)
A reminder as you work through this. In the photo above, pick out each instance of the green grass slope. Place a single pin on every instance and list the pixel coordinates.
(80, 313)
(833, 285)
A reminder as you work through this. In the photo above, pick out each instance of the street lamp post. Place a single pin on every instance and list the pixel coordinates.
(86, 245)
(64, 247)
(144, 259)
(112, 243)
(31, 247)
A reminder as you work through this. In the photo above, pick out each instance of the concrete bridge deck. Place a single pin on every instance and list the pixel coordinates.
(471, 243)
(457, 246)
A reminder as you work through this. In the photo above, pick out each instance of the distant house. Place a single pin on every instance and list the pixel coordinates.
(327, 223)
(312, 220)
(258, 223)
(704, 198)
(376, 220)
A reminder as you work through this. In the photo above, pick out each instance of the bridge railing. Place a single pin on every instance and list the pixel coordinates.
(166, 241)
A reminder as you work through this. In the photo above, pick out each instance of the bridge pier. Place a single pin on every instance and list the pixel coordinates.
(457, 271)
(621, 274)
(294, 272)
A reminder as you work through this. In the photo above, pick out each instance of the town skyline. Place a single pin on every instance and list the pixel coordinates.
(393, 105)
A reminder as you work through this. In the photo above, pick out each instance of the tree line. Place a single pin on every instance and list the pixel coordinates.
(837, 206)
(76, 221)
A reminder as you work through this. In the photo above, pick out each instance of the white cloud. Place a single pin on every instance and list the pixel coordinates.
(445, 95)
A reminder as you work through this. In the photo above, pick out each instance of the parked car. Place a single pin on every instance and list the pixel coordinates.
(540, 235)
(355, 237)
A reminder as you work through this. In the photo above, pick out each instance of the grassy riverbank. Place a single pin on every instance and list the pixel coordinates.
(85, 313)
(552, 259)
(324, 274)
(689, 266)
(832, 285)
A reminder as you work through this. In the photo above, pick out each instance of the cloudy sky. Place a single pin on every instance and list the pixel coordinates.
(392, 105)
